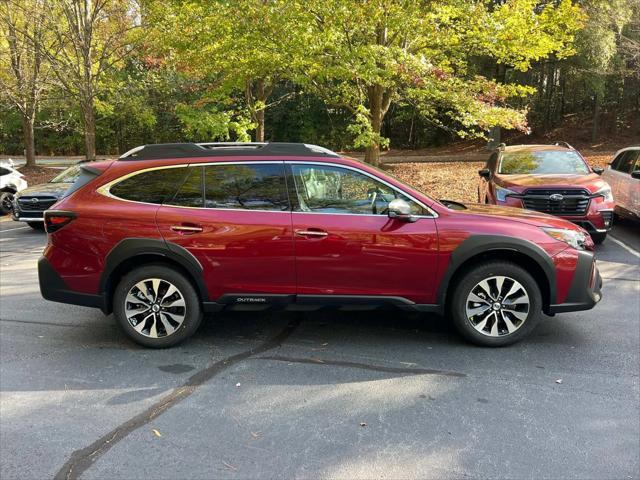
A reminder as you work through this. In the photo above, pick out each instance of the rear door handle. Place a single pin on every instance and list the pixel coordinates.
(186, 229)
(311, 233)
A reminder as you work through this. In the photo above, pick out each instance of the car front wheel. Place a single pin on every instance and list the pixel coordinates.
(496, 304)
(157, 306)
(6, 202)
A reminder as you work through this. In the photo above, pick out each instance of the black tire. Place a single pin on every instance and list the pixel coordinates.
(471, 279)
(598, 238)
(36, 226)
(6, 202)
(192, 310)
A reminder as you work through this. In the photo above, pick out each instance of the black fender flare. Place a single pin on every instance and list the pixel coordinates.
(478, 244)
(132, 247)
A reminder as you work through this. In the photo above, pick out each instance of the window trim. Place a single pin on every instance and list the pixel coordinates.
(432, 213)
(105, 189)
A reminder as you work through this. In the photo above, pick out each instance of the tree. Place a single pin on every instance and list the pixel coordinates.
(244, 48)
(23, 73)
(90, 38)
(368, 55)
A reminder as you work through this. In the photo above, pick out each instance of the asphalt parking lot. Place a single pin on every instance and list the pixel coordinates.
(320, 395)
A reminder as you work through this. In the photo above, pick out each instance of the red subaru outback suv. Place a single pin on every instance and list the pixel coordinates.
(553, 179)
(168, 232)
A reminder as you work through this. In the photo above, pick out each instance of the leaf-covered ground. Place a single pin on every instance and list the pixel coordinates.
(456, 180)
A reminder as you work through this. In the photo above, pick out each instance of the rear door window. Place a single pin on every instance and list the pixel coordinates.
(153, 186)
(191, 192)
(246, 186)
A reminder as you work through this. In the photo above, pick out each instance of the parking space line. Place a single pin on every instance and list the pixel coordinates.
(628, 248)
(12, 229)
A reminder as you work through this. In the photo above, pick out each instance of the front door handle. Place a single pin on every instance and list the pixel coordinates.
(311, 233)
(186, 229)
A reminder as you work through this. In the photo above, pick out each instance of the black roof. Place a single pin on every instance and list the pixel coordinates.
(220, 149)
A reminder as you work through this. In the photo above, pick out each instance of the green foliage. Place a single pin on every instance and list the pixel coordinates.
(209, 124)
(362, 131)
(341, 73)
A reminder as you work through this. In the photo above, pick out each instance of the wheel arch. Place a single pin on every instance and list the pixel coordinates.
(481, 248)
(132, 253)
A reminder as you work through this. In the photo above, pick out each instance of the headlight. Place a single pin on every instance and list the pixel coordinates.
(605, 192)
(501, 193)
(572, 238)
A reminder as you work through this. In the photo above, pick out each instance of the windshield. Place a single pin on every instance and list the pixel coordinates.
(68, 175)
(543, 162)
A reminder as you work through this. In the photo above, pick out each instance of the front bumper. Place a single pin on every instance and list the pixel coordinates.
(20, 215)
(585, 290)
(598, 217)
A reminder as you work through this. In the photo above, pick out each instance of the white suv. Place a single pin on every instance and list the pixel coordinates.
(623, 175)
(11, 182)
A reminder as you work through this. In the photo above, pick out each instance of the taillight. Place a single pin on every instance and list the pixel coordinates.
(54, 220)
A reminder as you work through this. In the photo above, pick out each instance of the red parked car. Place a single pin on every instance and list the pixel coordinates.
(168, 232)
(553, 179)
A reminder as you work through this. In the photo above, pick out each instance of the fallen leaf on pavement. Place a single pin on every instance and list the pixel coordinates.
(156, 432)
(229, 466)
(559, 380)
(237, 384)
(256, 434)
(363, 424)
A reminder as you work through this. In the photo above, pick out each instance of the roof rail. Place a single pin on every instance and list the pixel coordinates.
(216, 149)
(565, 144)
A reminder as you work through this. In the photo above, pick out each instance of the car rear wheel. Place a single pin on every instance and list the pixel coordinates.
(157, 306)
(36, 225)
(496, 304)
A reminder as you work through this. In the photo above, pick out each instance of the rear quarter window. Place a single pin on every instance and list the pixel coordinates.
(154, 186)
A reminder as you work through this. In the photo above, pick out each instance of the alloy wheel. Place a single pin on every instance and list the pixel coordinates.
(497, 306)
(7, 203)
(155, 308)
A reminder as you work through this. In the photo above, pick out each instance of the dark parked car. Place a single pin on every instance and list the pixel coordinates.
(168, 232)
(553, 179)
(30, 204)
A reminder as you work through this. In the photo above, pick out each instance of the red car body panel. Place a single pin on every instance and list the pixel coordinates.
(366, 255)
(242, 251)
(259, 251)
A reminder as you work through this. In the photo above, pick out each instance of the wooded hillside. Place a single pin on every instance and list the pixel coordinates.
(101, 76)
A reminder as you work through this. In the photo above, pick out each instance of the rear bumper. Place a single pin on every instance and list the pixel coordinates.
(53, 287)
(585, 290)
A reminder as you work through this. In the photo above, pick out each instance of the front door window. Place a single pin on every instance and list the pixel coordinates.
(328, 189)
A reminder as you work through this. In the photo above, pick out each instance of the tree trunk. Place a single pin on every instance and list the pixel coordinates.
(29, 139)
(595, 130)
(89, 130)
(259, 114)
(377, 111)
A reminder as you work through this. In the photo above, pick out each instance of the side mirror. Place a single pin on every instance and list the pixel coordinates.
(597, 170)
(485, 173)
(400, 210)
(635, 174)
